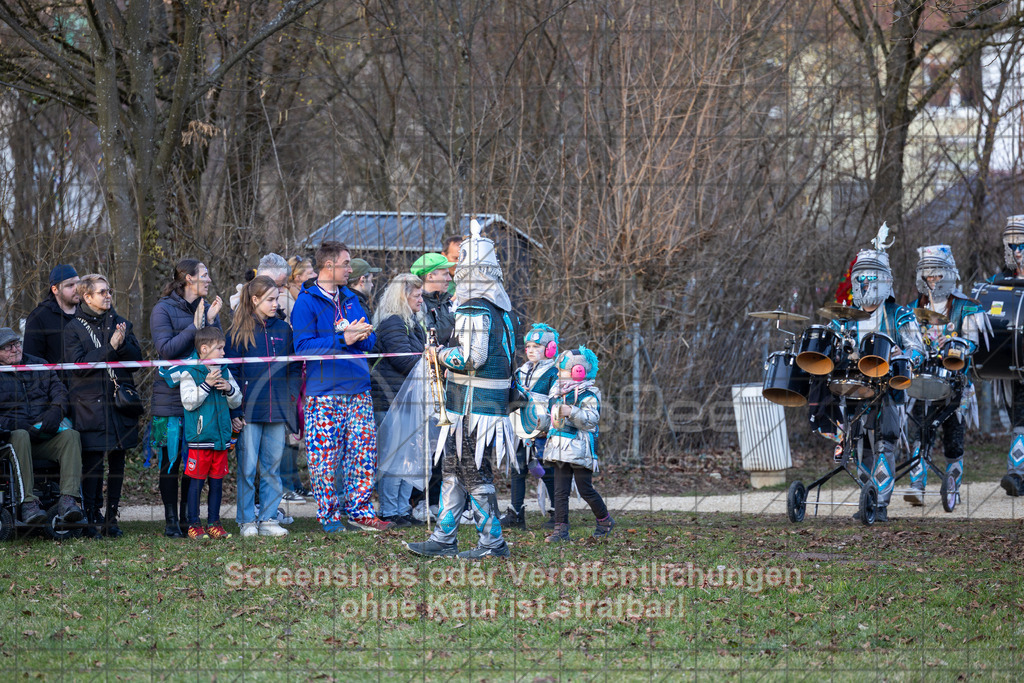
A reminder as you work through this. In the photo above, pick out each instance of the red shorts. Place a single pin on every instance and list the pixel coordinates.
(203, 463)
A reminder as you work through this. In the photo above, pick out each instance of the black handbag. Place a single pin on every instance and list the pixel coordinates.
(127, 400)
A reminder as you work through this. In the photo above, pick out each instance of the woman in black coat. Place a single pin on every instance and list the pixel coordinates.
(98, 334)
(398, 324)
(173, 323)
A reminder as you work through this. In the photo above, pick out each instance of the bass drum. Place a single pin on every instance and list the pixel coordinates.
(784, 382)
(1003, 356)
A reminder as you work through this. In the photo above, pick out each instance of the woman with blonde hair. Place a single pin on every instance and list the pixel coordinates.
(98, 334)
(398, 322)
(302, 270)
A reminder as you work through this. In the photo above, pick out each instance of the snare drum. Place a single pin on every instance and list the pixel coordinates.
(819, 350)
(875, 351)
(901, 373)
(849, 382)
(954, 353)
(933, 383)
(784, 382)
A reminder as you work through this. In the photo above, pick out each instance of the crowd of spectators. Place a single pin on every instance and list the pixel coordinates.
(89, 420)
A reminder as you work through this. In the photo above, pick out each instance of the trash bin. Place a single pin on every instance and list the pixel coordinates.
(764, 442)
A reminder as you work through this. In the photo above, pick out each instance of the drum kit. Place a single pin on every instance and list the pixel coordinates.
(859, 375)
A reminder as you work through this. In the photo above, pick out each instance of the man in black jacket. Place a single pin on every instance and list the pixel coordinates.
(32, 408)
(44, 328)
(438, 312)
(360, 281)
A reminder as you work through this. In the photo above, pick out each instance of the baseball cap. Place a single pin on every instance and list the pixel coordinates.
(61, 273)
(360, 268)
(428, 263)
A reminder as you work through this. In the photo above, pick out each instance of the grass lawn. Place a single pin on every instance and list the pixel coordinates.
(907, 600)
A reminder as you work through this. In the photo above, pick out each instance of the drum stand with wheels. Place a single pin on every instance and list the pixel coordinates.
(929, 427)
(796, 497)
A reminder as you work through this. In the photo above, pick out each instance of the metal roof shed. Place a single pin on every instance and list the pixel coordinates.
(392, 241)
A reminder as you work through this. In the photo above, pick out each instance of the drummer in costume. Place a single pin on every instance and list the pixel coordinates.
(479, 377)
(1013, 274)
(937, 277)
(873, 293)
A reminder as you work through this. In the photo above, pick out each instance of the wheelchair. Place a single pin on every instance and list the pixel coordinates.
(46, 474)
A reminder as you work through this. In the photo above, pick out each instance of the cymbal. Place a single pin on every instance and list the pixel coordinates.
(780, 315)
(840, 312)
(926, 316)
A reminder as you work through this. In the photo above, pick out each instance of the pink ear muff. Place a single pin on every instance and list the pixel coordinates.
(551, 350)
(578, 373)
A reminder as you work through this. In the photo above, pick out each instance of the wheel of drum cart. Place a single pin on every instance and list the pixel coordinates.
(55, 530)
(868, 503)
(796, 501)
(6, 525)
(948, 493)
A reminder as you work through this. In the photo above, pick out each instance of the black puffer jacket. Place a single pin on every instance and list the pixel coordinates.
(103, 427)
(394, 335)
(172, 328)
(438, 313)
(27, 398)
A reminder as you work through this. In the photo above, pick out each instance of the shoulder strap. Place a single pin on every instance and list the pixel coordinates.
(97, 342)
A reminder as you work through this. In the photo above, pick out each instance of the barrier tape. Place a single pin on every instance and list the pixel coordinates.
(131, 364)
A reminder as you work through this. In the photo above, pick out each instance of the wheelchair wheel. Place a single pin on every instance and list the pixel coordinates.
(57, 531)
(6, 525)
(796, 501)
(868, 503)
(950, 496)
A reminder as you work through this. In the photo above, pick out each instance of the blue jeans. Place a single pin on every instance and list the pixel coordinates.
(394, 495)
(262, 444)
(290, 479)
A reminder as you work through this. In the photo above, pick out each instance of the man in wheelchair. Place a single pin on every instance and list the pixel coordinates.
(32, 409)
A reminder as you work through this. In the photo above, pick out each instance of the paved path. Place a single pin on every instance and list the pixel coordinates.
(982, 500)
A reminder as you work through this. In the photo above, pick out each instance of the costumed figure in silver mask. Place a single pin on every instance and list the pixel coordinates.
(1013, 256)
(937, 278)
(882, 427)
(478, 380)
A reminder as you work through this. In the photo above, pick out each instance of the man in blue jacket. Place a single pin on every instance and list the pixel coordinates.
(340, 433)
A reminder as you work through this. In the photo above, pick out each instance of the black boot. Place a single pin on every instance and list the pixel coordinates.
(171, 518)
(110, 527)
(513, 519)
(93, 526)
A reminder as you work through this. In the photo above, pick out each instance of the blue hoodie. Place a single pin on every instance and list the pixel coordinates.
(313, 321)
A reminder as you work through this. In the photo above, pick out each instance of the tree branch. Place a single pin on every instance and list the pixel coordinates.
(291, 11)
(18, 27)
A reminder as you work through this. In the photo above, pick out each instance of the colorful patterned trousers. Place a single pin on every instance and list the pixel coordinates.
(341, 441)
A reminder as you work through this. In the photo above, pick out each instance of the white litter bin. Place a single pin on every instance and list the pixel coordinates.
(764, 442)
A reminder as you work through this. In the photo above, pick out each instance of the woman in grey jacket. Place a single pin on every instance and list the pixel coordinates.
(173, 323)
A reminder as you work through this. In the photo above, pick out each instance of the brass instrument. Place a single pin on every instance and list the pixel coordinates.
(435, 379)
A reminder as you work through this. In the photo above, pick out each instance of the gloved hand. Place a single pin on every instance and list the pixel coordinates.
(50, 420)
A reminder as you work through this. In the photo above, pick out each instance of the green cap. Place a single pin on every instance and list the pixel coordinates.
(428, 263)
(360, 268)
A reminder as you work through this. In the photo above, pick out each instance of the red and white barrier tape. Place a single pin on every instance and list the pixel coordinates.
(103, 365)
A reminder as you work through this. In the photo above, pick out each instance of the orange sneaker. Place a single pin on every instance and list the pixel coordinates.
(217, 531)
(197, 532)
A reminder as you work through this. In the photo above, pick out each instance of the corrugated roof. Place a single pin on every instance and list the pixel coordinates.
(390, 231)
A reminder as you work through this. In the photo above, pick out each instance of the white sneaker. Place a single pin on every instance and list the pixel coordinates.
(272, 528)
(283, 518)
(467, 517)
(249, 529)
(420, 512)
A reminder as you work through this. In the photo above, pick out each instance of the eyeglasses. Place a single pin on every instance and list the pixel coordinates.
(866, 278)
(1016, 247)
(11, 346)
